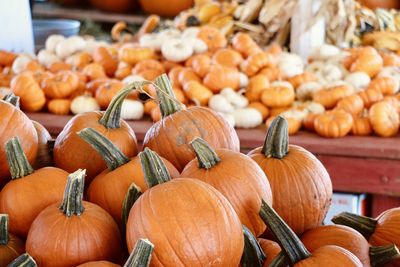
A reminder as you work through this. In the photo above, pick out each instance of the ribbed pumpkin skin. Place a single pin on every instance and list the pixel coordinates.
(387, 230)
(243, 185)
(99, 264)
(43, 157)
(298, 180)
(24, 198)
(271, 250)
(12, 250)
(330, 256)
(72, 153)
(13, 123)
(171, 136)
(108, 189)
(190, 224)
(92, 236)
(338, 235)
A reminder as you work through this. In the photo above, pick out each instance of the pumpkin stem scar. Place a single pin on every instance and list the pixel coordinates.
(276, 144)
(289, 242)
(141, 254)
(154, 169)
(72, 203)
(382, 255)
(111, 154)
(365, 225)
(25, 260)
(167, 101)
(3, 229)
(134, 192)
(253, 255)
(16, 158)
(206, 156)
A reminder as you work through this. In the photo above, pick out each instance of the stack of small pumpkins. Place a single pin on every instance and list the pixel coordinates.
(190, 194)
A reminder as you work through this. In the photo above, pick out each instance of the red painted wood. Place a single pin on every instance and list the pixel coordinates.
(381, 203)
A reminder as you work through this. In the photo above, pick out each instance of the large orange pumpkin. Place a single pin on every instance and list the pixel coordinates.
(84, 230)
(207, 218)
(296, 252)
(168, 8)
(121, 6)
(10, 245)
(14, 123)
(108, 189)
(220, 169)
(44, 155)
(297, 179)
(72, 153)
(388, 4)
(29, 191)
(179, 127)
(271, 250)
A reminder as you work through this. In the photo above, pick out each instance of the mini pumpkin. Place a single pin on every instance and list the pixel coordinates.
(59, 66)
(386, 85)
(278, 94)
(257, 84)
(105, 58)
(261, 108)
(256, 62)
(221, 77)
(201, 64)
(94, 71)
(61, 85)
(361, 124)
(384, 119)
(272, 73)
(301, 79)
(132, 54)
(227, 57)
(333, 123)
(148, 64)
(330, 96)
(106, 92)
(7, 58)
(197, 92)
(244, 44)
(123, 70)
(370, 97)
(84, 103)
(29, 91)
(213, 38)
(365, 59)
(353, 104)
(59, 106)
(187, 75)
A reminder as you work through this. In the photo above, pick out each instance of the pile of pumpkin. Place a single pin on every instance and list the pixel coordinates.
(337, 93)
(190, 198)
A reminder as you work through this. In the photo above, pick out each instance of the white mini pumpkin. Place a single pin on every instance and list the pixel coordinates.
(235, 98)
(324, 52)
(132, 110)
(290, 64)
(247, 118)
(220, 104)
(244, 80)
(52, 42)
(177, 50)
(393, 72)
(47, 58)
(190, 32)
(359, 80)
(84, 103)
(151, 40)
(306, 90)
(20, 63)
(132, 78)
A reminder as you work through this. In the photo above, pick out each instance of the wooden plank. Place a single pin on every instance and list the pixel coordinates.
(363, 175)
(382, 203)
(55, 11)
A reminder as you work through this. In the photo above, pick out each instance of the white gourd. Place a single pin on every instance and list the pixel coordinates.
(52, 41)
(132, 109)
(177, 50)
(190, 32)
(393, 72)
(324, 52)
(306, 90)
(290, 64)
(20, 63)
(84, 103)
(247, 118)
(151, 40)
(169, 34)
(220, 104)
(244, 80)
(132, 78)
(47, 58)
(359, 80)
(235, 98)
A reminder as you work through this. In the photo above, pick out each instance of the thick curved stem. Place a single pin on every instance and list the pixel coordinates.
(167, 101)
(134, 192)
(72, 203)
(206, 156)
(12, 99)
(280, 260)
(253, 255)
(154, 170)
(289, 242)
(141, 254)
(3, 229)
(365, 225)
(379, 256)
(25, 260)
(110, 153)
(276, 144)
(17, 161)
(111, 118)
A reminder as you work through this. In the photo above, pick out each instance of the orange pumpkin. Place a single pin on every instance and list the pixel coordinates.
(105, 58)
(94, 71)
(330, 96)
(386, 85)
(59, 66)
(300, 79)
(132, 54)
(353, 104)
(150, 74)
(123, 70)
(384, 119)
(31, 95)
(261, 108)
(99, 264)
(370, 97)
(308, 122)
(173, 76)
(187, 75)
(148, 64)
(221, 77)
(219, 168)
(106, 92)
(155, 114)
(278, 95)
(272, 73)
(256, 62)
(244, 44)
(361, 125)
(197, 92)
(257, 85)
(169, 65)
(61, 85)
(7, 58)
(212, 37)
(333, 123)
(120, 6)
(10, 245)
(390, 60)
(5, 77)
(365, 59)
(44, 157)
(165, 8)
(59, 106)
(201, 64)
(80, 60)
(286, 165)
(149, 105)
(180, 95)
(271, 250)
(42, 75)
(227, 57)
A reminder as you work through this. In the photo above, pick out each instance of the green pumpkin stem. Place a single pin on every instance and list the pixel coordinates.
(379, 256)
(253, 255)
(289, 242)
(134, 192)
(110, 153)
(12, 99)
(276, 144)
(3, 229)
(25, 260)
(280, 260)
(111, 118)
(154, 170)
(365, 225)
(141, 254)
(72, 203)
(206, 156)
(167, 101)
(17, 161)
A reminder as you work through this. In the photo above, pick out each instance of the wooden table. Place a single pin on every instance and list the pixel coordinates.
(355, 164)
